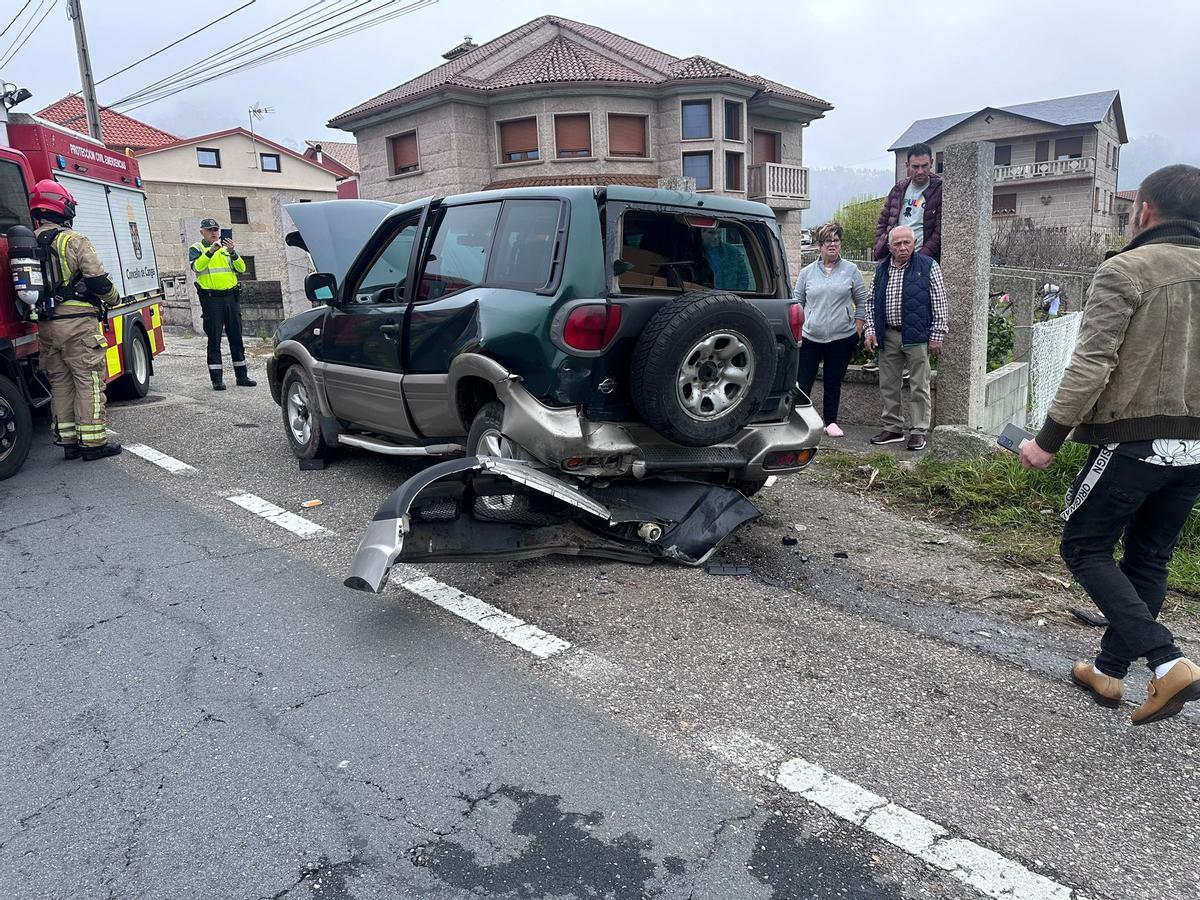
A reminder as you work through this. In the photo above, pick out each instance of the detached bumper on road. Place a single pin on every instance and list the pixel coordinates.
(480, 509)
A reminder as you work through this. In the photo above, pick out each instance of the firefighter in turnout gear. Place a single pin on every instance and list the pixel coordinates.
(72, 342)
(216, 264)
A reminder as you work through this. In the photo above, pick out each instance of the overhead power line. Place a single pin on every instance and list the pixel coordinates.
(356, 23)
(14, 18)
(176, 42)
(15, 47)
(296, 22)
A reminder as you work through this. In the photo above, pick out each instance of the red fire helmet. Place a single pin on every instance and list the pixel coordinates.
(49, 194)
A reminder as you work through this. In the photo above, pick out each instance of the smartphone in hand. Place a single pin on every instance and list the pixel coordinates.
(1014, 437)
(227, 234)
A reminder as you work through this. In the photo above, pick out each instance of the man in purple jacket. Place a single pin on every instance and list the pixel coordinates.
(916, 202)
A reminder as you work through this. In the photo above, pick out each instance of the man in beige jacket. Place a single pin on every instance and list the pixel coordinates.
(1132, 391)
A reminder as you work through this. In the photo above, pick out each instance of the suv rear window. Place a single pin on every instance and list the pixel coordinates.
(524, 247)
(687, 251)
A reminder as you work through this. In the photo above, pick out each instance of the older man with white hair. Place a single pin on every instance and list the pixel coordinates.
(909, 325)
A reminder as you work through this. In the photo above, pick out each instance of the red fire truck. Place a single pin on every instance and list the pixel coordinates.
(112, 212)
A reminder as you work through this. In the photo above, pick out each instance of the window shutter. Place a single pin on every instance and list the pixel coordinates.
(766, 148)
(1042, 151)
(627, 136)
(1004, 155)
(404, 152)
(518, 137)
(573, 135)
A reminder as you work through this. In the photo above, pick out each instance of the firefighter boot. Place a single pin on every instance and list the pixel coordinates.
(72, 451)
(218, 380)
(106, 449)
(243, 377)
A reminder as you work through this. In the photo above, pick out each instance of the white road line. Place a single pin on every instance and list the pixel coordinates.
(170, 463)
(281, 517)
(985, 870)
(516, 631)
(743, 749)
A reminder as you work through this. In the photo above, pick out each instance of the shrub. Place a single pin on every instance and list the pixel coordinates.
(858, 219)
(1022, 244)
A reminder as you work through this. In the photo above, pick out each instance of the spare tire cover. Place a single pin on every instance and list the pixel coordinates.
(702, 367)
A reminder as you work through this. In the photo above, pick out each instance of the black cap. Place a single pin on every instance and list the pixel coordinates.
(209, 223)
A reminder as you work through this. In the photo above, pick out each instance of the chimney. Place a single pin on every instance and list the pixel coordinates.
(465, 47)
(320, 154)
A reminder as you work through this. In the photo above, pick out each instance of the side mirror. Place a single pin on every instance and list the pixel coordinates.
(321, 288)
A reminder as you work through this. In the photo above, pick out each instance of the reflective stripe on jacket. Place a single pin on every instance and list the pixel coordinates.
(215, 272)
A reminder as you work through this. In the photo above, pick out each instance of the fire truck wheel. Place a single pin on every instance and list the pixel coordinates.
(16, 428)
(135, 383)
(301, 420)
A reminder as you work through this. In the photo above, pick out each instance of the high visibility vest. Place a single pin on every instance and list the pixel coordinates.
(216, 272)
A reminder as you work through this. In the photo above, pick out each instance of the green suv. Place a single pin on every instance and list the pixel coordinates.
(577, 354)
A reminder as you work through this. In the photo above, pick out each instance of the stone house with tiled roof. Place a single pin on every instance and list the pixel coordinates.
(121, 132)
(561, 102)
(1056, 160)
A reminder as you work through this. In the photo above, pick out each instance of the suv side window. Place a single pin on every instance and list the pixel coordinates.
(14, 199)
(385, 279)
(524, 248)
(458, 255)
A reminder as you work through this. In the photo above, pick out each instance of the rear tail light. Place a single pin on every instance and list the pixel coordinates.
(789, 459)
(796, 321)
(591, 326)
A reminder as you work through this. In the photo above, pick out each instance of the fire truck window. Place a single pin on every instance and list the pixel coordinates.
(14, 199)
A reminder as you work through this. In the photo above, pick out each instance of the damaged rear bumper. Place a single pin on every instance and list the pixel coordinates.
(481, 508)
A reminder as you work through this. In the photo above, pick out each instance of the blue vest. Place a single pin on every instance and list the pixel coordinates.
(916, 318)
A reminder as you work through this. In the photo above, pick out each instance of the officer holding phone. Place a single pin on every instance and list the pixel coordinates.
(216, 263)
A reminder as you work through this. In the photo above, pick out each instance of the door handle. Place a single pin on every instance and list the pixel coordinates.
(389, 331)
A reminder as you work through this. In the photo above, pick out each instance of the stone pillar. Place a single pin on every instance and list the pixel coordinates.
(966, 268)
(1021, 293)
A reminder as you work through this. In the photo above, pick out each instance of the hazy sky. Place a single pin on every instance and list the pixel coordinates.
(880, 64)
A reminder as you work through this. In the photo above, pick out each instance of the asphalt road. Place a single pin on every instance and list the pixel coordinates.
(195, 707)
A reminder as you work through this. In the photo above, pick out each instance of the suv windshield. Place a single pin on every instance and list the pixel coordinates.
(689, 251)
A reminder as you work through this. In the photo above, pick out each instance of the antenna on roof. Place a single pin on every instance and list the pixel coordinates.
(257, 111)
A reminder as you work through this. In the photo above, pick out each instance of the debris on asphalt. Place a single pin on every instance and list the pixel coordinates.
(309, 504)
(841, 554)
(790, 542)
(727, 569)
(1087, 617)
(937, 541)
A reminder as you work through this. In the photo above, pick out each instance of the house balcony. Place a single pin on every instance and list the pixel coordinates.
(778, 186)
(1050, 170)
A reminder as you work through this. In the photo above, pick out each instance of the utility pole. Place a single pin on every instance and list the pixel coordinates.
(75, 14)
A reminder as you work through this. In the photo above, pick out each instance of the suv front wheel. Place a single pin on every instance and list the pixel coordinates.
(301, 422)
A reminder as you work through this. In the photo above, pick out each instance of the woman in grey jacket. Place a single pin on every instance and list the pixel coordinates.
(834, 298)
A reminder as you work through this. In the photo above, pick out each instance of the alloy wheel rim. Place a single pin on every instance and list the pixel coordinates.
(299, 419)
(715, 375)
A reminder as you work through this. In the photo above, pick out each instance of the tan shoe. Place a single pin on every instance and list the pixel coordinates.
(1168, 694)
(1105, 690)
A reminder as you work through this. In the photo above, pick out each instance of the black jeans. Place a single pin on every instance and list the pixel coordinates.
(836, 355)
(223, 313)
(1148, 506)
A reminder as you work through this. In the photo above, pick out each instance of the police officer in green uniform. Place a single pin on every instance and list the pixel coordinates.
(216, 264)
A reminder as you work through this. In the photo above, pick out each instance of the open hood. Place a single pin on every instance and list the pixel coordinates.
(482, 509)
(334, 231)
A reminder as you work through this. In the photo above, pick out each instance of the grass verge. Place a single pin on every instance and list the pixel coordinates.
(999, 504)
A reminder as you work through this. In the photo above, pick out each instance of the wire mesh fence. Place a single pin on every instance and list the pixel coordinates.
(1052, 345)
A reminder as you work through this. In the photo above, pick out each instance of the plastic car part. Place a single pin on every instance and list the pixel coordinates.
(431, 517)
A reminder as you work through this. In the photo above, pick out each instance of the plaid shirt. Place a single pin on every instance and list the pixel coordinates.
(893, 302)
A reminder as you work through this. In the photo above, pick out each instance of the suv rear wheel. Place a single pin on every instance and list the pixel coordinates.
(702, 367)
(16, 428)
(486, 438)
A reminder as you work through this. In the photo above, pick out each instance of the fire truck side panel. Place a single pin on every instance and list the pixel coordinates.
(135, 247)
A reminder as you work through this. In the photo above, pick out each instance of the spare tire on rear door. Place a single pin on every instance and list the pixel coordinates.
(702, 367)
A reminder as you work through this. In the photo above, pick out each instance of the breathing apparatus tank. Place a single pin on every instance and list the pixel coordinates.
(29, 283)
